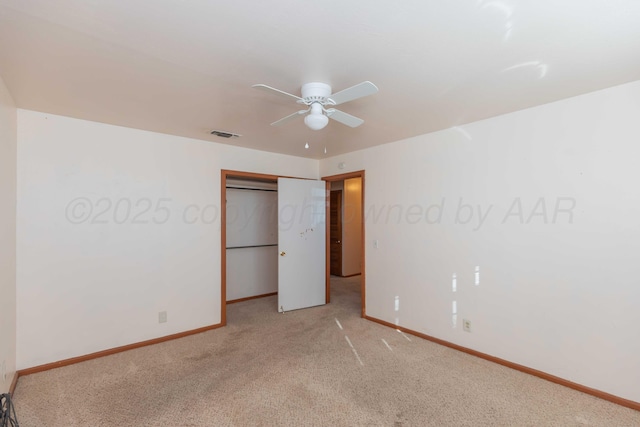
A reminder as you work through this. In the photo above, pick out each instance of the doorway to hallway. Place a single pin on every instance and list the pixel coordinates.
(346, 236)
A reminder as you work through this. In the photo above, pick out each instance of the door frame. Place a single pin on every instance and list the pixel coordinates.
(329, 179)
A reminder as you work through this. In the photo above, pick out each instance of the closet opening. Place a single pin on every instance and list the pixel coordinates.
(273, 241)
(249, 257)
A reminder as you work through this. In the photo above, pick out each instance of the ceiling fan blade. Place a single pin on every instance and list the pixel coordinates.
(276, 91)
(288, 118)
(344, 118)
(354, 92)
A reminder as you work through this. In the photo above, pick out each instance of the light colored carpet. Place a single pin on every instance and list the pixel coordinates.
(298, 369)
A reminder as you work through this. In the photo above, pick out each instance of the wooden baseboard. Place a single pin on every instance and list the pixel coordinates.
(14, 383)
(351, 275)
(73, 360)
(545, 376)
(233, 301)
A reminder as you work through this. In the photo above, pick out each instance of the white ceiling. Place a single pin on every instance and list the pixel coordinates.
(185, 67)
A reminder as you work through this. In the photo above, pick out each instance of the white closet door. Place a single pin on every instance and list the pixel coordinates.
(301, 243)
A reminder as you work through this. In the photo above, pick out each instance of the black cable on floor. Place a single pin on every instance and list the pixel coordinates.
(7, 412)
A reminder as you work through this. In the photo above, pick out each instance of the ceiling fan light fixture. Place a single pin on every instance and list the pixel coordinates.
(316, 120)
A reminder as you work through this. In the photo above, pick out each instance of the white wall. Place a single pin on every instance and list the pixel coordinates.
(252, 272)
(87, 287)
(559, 293)
(352, 227)
(8, 141)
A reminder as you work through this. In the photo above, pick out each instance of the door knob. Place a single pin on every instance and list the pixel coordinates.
(283, 253)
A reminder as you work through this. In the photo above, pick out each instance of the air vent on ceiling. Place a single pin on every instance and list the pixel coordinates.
(223, 134)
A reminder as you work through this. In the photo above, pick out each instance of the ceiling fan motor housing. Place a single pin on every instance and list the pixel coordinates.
(315, 92)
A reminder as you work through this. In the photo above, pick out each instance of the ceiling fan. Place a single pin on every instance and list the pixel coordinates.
(320, 101)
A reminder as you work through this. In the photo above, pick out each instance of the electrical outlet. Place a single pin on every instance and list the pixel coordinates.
(466, 325)
(162, 317)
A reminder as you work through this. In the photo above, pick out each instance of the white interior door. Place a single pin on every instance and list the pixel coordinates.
(301, 243)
